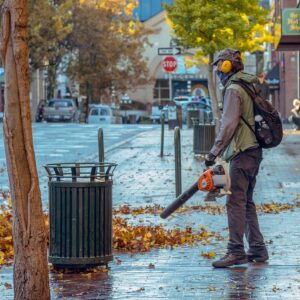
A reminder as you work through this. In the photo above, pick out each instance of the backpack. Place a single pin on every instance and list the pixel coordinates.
(268, 126)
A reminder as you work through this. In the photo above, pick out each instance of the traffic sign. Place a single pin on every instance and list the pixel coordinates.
(169, 64)
(169, 51)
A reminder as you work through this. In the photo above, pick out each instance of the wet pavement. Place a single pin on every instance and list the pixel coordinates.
(143, 178)
(69, 142)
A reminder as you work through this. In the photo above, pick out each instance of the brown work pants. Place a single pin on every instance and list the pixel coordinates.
(241, 211)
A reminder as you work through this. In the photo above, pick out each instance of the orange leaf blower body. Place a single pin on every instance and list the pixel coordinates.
(205, 182)
(215, 180)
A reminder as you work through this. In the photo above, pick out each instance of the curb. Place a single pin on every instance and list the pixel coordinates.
(114, 147)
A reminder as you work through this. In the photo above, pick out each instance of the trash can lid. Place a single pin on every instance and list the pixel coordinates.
(82, 172)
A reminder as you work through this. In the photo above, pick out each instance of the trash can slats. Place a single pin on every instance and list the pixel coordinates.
(74, 209)
(86, 221)
(101, 214)
(63, 220)
(97, 224)
(68, 252)
(80, 215)
(92, 218)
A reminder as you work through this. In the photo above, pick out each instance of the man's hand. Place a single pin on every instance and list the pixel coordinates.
(209, 160)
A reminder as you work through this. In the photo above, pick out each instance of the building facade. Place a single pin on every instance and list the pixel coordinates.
(37, 91)
(184, 81)
(164, 86)
(285, 55)
(149, 8)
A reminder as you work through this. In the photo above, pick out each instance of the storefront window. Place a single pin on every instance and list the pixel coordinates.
(161, 89)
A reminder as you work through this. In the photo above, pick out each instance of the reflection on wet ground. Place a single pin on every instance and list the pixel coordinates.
(141, 179)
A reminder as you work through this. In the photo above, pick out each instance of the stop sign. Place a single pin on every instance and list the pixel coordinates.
(169, 64)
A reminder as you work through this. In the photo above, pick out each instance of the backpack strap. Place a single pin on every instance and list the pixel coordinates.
(247, 89)
(252, 96)
(249, 126)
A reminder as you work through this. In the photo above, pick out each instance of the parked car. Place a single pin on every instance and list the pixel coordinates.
(100, 113)
(61, 110)
(201, 103)
(196, 106)
(182, 100)
(206, 102)
(157, 111)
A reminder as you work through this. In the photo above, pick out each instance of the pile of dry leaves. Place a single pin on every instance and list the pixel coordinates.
(133, 238)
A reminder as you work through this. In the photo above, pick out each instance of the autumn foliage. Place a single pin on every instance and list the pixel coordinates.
(6, 246)
(140, 238)
(210, 26)
(98, 44)
(132, 238)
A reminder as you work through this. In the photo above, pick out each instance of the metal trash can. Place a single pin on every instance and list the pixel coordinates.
(203, 136)
(80, 214)
(191, 114)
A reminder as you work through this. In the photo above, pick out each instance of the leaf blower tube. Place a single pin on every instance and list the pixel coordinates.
(212, 180)
(180, 200)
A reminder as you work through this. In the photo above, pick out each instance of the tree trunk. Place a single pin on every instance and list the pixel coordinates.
(30, 249)
(212, 92)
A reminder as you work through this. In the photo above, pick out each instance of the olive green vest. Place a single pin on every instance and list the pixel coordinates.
(243, 138)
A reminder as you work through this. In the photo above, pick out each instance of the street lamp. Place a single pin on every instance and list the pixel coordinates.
(113, 94)
(126, 100)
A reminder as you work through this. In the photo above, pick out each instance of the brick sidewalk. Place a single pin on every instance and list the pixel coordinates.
(143, 178)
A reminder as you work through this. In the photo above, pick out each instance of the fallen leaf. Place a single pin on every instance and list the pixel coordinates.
(209, 255)
(7, 285)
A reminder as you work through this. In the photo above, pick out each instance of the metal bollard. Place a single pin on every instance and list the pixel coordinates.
(177, 143)
(101, 148)
(162, 121)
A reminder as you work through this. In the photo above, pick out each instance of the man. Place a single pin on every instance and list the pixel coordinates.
(238, 145)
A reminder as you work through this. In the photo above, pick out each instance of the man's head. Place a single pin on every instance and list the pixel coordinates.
(229, 61)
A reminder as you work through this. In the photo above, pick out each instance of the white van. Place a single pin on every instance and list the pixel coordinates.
(183, 100)
(100, 113)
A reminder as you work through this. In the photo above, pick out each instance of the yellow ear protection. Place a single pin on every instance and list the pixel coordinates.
(226, 66)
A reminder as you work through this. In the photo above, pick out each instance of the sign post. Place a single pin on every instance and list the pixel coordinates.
(170, 65)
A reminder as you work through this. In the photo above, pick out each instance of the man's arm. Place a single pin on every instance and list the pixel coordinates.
(232, 112)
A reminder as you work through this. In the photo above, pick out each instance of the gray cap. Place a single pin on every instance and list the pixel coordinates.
(228, 54)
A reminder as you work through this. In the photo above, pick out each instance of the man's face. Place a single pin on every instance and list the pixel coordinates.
(220, 62)
(217, 67)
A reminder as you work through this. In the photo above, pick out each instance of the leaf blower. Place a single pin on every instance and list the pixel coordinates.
(215, 180)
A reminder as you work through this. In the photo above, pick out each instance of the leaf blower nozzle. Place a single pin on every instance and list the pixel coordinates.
(215, 180)
(179, 201)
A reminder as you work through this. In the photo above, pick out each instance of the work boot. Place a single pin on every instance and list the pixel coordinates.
(258, 257)
(230, 260)
(258, 254)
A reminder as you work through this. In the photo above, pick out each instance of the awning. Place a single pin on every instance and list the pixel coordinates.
(289, 43)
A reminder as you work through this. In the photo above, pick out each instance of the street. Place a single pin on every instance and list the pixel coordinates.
(206, 209)
(65, 142)
(144, 179)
